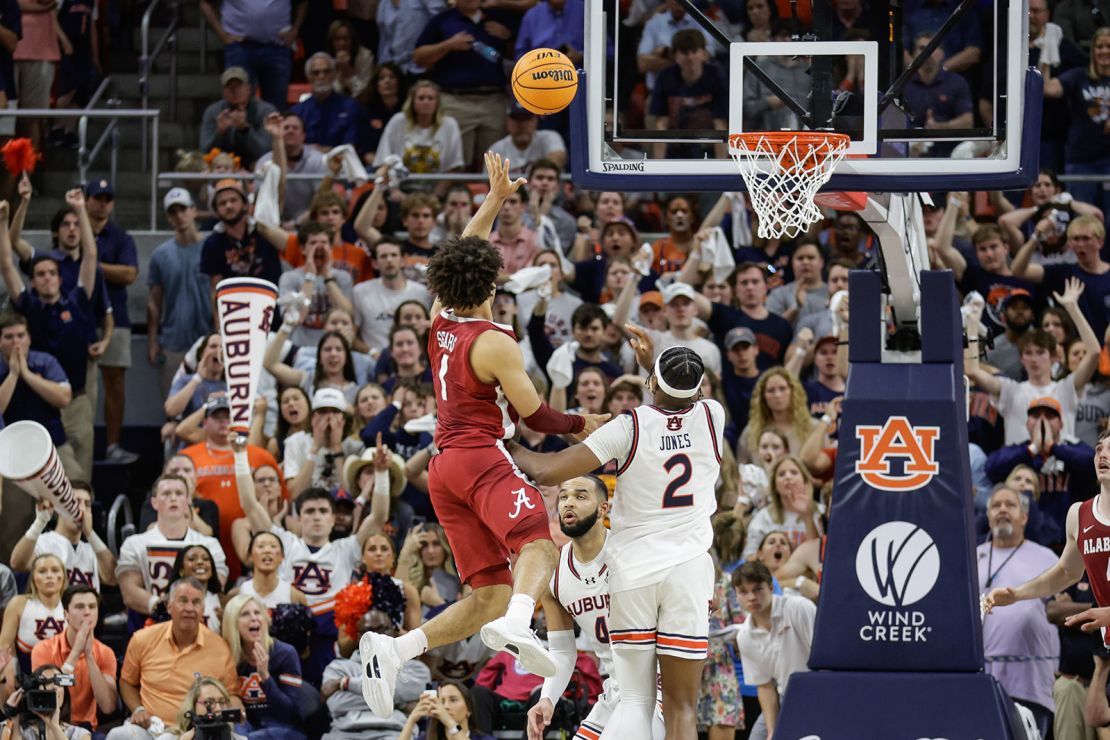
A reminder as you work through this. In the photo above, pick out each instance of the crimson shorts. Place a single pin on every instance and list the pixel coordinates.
(488, 508)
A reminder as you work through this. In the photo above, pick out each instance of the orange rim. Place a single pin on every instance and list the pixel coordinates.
(776, 141)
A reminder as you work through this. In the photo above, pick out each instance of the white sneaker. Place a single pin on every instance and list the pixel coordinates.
(500, 635)
(380, 665)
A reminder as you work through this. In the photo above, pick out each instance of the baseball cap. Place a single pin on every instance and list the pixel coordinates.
(329, 398)
(675, 290)
(1046, 402)
(99, 187)
(516, 110)
(234, 73)
(738, 334)
(651, 298)
(228, 183)
(216, 403)
(177, 197)
(826, 339)
(1017, 293)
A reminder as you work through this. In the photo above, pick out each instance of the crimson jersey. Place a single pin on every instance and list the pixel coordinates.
(1093, 540)
(470, 413)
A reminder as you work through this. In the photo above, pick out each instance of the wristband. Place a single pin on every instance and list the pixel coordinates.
(549, 421)
(329, 280)
(98, 545)
(242, 463)
(153, 602)
(798, 582)
(799, 351)
(309, 277)
(454, 731)
(826, 419)
(381, 481)
(36, 528)
(138, 709)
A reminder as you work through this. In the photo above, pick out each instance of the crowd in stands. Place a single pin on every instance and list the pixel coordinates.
(257, 565)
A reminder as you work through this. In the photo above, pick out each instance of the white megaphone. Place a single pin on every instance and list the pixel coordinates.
(244, 310)
(28, 459)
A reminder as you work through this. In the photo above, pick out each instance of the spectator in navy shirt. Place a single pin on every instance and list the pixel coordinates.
(553, 24)
(330, 118)
(690, 94)
(739, 373)
(936, 98)
(119, 261)
(33, 387)
(962, 44)
(462, 48)
(235, 248)
(61, 324)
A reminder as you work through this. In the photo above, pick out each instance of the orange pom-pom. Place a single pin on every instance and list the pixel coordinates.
(20, 156)
(351, 604)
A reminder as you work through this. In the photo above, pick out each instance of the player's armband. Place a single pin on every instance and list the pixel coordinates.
(549, 421)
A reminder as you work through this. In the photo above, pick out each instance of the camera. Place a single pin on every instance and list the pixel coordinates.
(214, 725)
(38, 694)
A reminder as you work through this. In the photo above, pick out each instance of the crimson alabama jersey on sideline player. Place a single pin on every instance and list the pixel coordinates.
(1093, 540)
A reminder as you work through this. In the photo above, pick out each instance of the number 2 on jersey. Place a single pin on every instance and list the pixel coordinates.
(672, 499)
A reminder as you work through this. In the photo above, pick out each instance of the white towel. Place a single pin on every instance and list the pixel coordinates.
(741, 219)
(267, 206)
(425, 423)
(351, 170)
(716, 251)
(643, 259)
(834, 305)
(548, 236)
(527, 278)
(560, 368)
(754, 484)
(1049, 44)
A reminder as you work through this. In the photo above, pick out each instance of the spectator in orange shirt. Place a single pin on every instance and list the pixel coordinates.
(216, 471)
(162, 660)
(671, 250)
(88, 660)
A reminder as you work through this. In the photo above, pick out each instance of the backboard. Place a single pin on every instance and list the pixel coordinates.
(873, 81)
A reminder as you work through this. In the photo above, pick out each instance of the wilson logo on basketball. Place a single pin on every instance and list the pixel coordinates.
(558, 75)
(897, 440)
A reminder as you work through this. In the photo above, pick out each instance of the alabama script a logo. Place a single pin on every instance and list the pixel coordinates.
(880, 446)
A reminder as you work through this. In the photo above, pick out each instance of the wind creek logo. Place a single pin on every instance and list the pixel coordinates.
(879, 446)
(623, 166)
(897, 565)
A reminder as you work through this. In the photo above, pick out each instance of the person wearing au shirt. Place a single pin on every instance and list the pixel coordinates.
(87, 560)
(119, 260)
(377, 300)
(174, 279)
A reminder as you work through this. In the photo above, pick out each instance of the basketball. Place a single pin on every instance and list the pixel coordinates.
(544, 81)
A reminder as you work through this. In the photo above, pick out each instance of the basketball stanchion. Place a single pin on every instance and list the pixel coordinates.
(29, 459)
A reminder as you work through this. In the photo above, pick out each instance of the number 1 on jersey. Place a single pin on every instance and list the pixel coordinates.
(443, 378)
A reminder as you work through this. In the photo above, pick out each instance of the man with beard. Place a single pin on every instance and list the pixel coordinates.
(579, 593)
(234, 248)
(1017, 641)
(1017, 317)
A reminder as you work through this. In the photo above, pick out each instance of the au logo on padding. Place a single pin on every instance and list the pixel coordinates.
(880, 446)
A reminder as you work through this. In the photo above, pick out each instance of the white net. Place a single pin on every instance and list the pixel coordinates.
(783, 172)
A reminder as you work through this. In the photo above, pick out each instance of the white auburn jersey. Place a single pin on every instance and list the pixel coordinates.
(153, 554)
(583, 590)
(319, 573)
(283, 594)
(668, 463)
(79, 560)
(37, 622)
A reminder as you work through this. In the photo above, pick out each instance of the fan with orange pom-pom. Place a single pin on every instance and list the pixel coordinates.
(20, 156)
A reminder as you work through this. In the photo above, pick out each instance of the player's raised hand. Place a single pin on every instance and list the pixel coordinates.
(642, 345)
(998, 597)
(500, 186)
(539, 717)
(1090, 620)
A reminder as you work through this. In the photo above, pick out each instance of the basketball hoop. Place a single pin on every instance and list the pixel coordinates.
(783, 171)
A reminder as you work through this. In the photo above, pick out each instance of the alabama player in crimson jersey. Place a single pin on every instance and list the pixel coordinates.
(1087, 548)
(487, 507)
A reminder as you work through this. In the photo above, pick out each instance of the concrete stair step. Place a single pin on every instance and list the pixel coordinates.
(189, 86)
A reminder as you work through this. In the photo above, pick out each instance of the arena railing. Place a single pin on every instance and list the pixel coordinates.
(168, 41)
(86, 156)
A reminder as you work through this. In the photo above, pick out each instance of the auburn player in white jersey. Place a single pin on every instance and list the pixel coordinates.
(579, 594)
(661, 574)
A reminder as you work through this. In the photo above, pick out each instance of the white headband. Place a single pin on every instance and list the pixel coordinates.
(670, 391)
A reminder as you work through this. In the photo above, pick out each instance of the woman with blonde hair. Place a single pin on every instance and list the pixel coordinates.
(792, 508)
(37, 615)
(426, 140)
(268, 667)
(779, 403)
(206, 696)
(427, 564)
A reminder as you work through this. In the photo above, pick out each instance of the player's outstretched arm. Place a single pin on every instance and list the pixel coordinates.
(500, 188)
(1066, 572)
(560, 638)
(550, 469)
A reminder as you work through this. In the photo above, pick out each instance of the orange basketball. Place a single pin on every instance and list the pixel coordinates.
(544, 81)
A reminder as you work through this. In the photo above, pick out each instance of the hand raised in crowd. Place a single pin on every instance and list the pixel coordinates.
(642, 345)
(274, 124)
(382, 456)
(25, 188)
(805, 338)
(261, 659)
(1073, 289)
